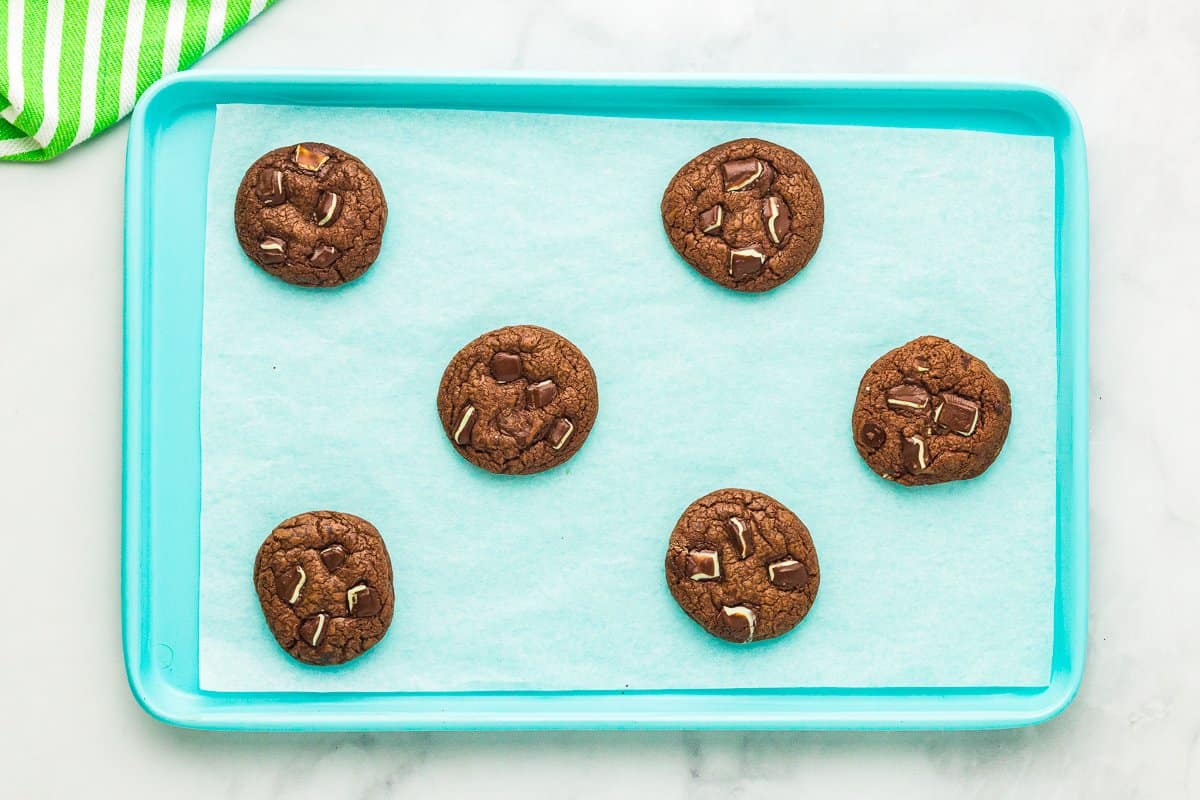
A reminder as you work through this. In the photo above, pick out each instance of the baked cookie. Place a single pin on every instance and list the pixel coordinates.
(324, 580)
(518, 400)
(742, 565)
(310, 214)
(747, 214)
(930, 412)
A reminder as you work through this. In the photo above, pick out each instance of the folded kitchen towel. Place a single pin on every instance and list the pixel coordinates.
(71, 68)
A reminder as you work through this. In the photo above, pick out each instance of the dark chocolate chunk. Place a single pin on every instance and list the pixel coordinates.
(741, 536)
(913, 455)
(506, 367)
(333, 557)
(310, 159)
(777, 217)
(906, 396)
(740, 173)
(289, 583)
(560, 432)
(464, 426)
(957, 413)
(272, 250)
(312, 629)
(741, 621)
(540, 394)
(323, 256)
(363, 602)
(270, 187)
(746, 262)
(920, 364)
(788, 573)
(329, 208)
(871, 436)
(703, 565)
(712, 220)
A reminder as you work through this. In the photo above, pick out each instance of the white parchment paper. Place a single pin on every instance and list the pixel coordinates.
(325, 399)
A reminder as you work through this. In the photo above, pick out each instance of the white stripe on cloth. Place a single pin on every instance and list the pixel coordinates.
(174, 41)
(10, 147)
(91, 70)
(51, 56)
(129, 59)
(256, 7)
(216, 25)
(16, 75)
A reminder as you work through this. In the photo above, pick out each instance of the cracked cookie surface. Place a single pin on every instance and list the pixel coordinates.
(324, 580)
(742, 565)
(310, 214)
(930, 412)
(518, 400)
(747, 214)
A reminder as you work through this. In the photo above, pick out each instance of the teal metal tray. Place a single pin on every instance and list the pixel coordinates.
(165, 196)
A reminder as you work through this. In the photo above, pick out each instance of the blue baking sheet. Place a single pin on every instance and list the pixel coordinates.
(325, 399)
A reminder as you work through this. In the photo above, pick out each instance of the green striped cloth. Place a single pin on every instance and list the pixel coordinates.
(71, 68)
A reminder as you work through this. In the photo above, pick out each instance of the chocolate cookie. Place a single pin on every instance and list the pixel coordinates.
(518, 400)
(930, 412)
(747, 214)
(310, 214)
(324, 580)
(742, 565)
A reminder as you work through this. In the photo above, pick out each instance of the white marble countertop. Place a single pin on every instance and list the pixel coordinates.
(1132, 70)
